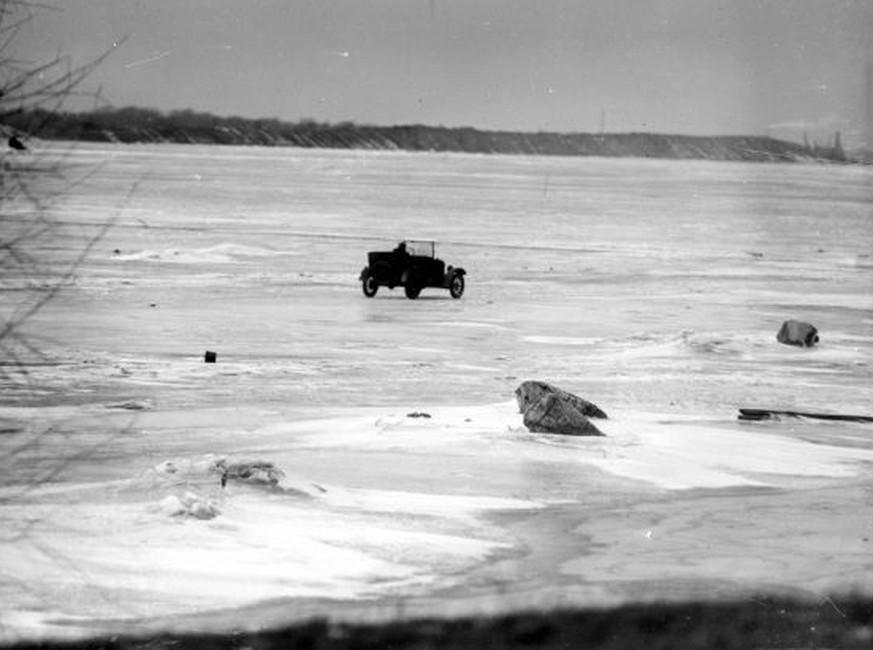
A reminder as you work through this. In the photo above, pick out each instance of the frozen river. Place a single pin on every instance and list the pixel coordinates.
(652, 288)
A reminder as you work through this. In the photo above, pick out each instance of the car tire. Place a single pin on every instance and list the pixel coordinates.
(369, 285)
(411, 290)
(456, 288)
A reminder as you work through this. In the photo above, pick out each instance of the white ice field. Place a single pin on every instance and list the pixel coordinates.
(652, 288)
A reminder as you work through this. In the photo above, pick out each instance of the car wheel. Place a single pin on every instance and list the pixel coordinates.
(369, 285)
(457, 286)
(411, 290)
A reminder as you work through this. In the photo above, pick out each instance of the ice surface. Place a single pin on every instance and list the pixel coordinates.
(652, 288)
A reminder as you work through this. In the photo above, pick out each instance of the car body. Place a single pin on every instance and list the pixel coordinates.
(412, 265)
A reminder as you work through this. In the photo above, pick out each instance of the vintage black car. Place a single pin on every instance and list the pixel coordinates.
(413, 266)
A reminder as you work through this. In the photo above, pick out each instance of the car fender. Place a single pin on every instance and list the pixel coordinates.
(451, 271)
(364, 273)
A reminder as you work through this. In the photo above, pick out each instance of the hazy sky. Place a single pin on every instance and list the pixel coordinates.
(680, 66)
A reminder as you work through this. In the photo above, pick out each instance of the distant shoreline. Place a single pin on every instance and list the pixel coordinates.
(139, 125)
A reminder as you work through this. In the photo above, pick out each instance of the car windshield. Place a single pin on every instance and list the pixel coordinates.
(420, 248)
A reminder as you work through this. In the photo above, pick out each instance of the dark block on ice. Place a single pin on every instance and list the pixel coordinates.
(548, 409)
(795, 332)
(15, 143)
(210, 357)
(532, 391)
(256, 472)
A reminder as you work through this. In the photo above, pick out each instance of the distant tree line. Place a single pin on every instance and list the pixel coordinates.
(133, 124)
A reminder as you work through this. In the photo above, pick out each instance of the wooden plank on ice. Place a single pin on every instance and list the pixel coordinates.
(765, 414)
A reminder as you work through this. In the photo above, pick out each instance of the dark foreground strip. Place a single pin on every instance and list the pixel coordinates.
(756, 622)
(765, 414)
